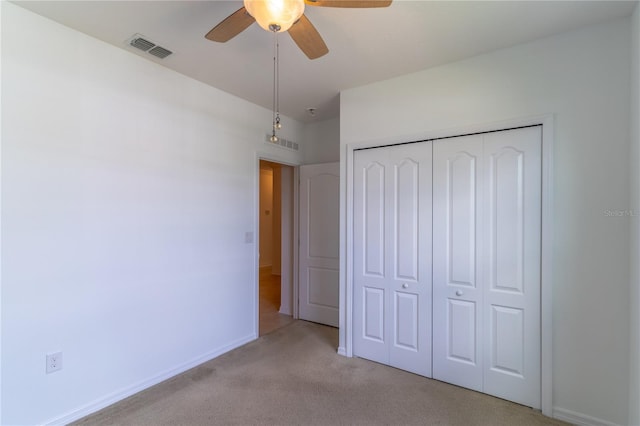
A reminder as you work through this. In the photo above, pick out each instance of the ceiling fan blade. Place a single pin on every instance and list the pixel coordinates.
(308, 38)
(233, 25)
(349, 3)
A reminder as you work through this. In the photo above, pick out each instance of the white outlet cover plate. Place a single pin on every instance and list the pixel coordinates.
(54, 362)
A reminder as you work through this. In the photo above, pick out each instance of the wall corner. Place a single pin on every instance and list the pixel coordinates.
(634, 200)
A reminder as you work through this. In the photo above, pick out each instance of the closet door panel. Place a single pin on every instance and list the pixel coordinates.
(370, 274)
(373, 215)
(373, 313)
(457, 245)
(410, 253)
(461, 326)
(392, 256)
(512, 226)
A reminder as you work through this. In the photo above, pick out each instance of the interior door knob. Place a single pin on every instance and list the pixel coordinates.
(459, 293)
(405, 285)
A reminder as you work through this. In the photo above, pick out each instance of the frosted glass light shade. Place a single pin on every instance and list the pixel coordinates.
(282, 13)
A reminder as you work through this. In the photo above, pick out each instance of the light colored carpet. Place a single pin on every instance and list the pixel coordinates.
(293, 376)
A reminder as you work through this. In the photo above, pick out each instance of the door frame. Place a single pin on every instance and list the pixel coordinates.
(547, 226)
(256, 240)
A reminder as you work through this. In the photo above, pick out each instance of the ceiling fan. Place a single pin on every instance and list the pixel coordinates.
(284, 15)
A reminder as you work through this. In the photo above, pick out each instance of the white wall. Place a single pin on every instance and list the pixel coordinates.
(1, 310)
(322, 142)
(286, 238)
(127, 190)
(276, 221)
(266, 216)
(582, 77)
(634, 158)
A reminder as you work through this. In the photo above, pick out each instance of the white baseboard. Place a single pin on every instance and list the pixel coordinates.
(342, 351)
(114, 397)
(579, 418)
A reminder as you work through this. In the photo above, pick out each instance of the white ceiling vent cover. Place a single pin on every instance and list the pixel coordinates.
(141, 42)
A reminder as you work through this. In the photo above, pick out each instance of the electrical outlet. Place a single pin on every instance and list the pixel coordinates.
(54, 362)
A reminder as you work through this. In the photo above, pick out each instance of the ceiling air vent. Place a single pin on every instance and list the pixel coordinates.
(160, 52)
(140, 42)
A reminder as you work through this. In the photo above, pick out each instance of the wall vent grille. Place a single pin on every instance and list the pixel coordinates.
(141, 42)
(283, 143)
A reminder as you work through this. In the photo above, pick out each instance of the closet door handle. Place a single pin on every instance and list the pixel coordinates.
(405, 285)
(459, 293)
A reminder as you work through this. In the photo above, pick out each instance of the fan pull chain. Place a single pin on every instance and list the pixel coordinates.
(278, 125)
(276, 88)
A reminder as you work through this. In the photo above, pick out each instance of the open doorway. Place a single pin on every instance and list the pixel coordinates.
(275, 246)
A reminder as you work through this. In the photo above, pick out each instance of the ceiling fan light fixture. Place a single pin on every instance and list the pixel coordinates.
(275, 15)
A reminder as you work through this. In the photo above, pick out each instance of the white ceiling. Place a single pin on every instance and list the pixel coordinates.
(365, 45)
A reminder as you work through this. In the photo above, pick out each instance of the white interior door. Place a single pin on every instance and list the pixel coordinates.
(487, 225)
(392, 256)
(319, 243)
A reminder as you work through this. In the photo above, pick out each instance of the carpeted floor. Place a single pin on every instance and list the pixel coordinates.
(293, 376)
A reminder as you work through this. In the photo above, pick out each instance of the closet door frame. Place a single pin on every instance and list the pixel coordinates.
(546, 278)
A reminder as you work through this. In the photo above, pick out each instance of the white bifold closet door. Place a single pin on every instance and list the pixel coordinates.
(446, 257)
(392, 265)
(486, 263)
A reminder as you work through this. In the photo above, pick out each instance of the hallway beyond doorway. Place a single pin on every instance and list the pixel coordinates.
(270, 317)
